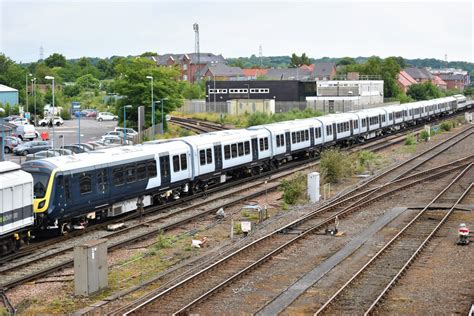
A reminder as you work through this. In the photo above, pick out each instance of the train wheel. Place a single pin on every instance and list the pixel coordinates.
(64, 229)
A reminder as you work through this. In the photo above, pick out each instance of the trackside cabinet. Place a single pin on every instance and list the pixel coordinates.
(90, 267)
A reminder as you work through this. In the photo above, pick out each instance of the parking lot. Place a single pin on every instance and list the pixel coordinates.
(91, 130)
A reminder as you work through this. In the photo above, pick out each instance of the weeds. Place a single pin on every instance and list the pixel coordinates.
(410, 140)
(424, 135)
(336, 165)
(293, 189)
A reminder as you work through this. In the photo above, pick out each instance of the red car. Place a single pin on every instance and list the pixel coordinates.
(91, 114)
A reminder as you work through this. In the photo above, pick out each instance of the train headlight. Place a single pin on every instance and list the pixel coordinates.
(41, 204)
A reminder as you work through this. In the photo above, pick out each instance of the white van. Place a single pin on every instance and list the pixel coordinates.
(26, 132)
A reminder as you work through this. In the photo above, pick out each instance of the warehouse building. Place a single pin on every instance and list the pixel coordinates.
(8, 95)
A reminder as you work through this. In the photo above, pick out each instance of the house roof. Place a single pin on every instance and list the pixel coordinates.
(405, 79)
(204, 58)
(223, 70)
(419, 73)
(451, 77)
(289, 73)
(438, 81)
(323, 69)
(4, 88)
(254, 72)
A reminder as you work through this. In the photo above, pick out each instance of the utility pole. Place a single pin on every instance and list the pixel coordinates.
(196, 50)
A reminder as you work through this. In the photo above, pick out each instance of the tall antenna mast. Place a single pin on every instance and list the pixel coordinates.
(196, 49)
(260, 55)
(41, 53)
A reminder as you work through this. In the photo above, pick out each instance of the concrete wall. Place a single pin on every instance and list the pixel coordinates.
(249, 106)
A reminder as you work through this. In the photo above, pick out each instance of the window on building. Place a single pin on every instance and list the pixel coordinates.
(184, 162)
(185, 66)
(85, 183)
(118, 177)
(185, 77)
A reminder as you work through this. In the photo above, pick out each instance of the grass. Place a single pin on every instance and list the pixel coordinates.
(410, 140)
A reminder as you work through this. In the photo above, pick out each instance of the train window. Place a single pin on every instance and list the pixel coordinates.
(278, 140)
(364, 122)
(282, 140)
(102, 180)
(202, 157)
(261, 144)
(390, 116)
(234, 150)
(306, 135)
(298, 137)
(141, 171)
(130, 173)
(356, 123)
(85, 183)
(209, 156)
(329, 130)
(240, 149)
(266, 143)
(67, 188)
(151, 167)
(118, 177)
(247, 147)
(184, 162)
(293, 137)
(227, 152)
(175, 163)
(164, 166)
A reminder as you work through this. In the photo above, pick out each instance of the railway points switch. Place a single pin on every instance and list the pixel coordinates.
(90, 267)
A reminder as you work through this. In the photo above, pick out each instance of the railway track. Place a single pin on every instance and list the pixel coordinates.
(197, 126)
(365, 290)
(188, 293)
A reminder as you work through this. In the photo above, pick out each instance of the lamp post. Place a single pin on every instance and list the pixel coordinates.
(152, 107)
(52, 78)
(26, 92)
(125, 122)
(33, 83)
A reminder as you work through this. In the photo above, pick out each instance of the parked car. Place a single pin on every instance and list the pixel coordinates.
(77, 149)
(58, 121)
(92, 113)
(87, 146)
(10, 143)
(26, 132)
(49, 153)
(130, 131)
(113, 138)
(20, 121)
(113, 133)
(30, 148)
(11, 118)
(106, 116)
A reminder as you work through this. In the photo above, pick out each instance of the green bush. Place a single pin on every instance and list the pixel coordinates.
(446, 126)
(410, 140)
(424, 135)
(336, 165)
(237, 229)
(293, 189)
(65, 115)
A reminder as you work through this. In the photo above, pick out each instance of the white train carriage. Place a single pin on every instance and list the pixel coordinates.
(16, 206)
(336, 127)
(430, 108)
(395, 116)
(372, 122)
(461, 101)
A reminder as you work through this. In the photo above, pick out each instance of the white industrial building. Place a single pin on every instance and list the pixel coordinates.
(346, 95)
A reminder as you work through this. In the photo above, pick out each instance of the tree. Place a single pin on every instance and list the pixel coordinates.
(12, 75)
(148, 54)
(346, 61)
(55, 60)
(424, 91)
(132, 84)
(296, 61)
(88, 82)
(72, 90)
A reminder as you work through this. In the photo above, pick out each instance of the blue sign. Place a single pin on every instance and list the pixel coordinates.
(76, 105)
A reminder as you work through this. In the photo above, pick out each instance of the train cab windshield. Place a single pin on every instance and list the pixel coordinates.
(40, 181)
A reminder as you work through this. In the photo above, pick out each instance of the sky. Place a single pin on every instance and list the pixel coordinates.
(103, 28)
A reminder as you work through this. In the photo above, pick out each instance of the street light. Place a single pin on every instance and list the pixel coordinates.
(52, 78)
(125, 123)
(152, 106)
(33, 83)
(26, 92)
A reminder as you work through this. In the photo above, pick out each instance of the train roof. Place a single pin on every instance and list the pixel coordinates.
(112, 156)
(11, 175)
(219, 136)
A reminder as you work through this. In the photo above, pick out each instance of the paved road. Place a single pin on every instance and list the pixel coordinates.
(91, 130)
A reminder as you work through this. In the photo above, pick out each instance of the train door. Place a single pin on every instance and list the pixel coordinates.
(351, 126)
(334, 131)
(218, 156)
(380, 120)
(311, 136)
(288, 142)
(254, 149)
(165, 170)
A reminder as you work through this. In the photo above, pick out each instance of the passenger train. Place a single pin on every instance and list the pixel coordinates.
(71, 190)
